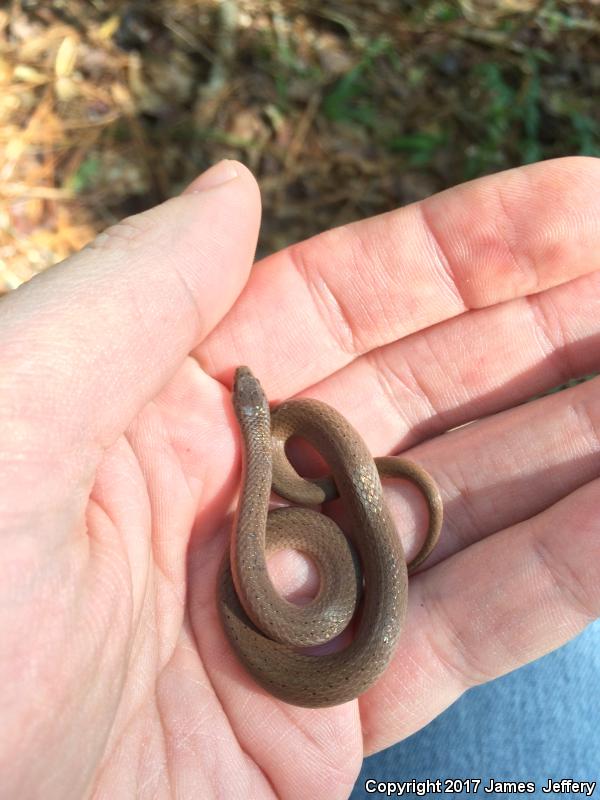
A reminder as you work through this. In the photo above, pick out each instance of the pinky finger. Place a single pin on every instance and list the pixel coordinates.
(499, 604)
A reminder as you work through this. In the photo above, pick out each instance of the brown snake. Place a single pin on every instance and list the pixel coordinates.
(268, 632)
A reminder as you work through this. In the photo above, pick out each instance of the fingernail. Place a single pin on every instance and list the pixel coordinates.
(221, 172)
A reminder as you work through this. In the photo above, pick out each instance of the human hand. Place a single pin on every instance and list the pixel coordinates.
(117, 679)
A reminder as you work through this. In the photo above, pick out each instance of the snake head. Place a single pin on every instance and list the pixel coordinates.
(249, 398)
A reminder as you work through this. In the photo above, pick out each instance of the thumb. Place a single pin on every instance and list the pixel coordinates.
(87, 343)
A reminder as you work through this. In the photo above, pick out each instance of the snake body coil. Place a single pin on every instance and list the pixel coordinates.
(265, 630)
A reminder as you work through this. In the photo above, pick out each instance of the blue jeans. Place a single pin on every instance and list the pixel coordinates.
(541, 722)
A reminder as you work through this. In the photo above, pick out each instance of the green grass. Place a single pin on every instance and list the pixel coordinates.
(350, 99)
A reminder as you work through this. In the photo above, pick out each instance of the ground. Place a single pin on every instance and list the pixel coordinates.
(342, 109)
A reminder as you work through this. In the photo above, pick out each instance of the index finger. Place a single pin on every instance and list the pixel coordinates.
(314, 307)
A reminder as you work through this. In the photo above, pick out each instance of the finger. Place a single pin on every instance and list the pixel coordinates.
(499, 604)
(87, 343)
(506, 467)
(309, 310)
(503, 469)
(468, 367)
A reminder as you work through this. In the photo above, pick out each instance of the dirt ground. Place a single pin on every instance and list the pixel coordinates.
(342, 109)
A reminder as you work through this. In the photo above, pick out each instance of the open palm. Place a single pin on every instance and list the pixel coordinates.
(119, 459)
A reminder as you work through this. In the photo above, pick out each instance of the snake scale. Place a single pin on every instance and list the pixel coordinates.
(368, 569)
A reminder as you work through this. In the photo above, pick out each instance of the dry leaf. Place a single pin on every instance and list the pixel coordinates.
(109, 27)
(66, 89)
(66, 56)
(27, 74)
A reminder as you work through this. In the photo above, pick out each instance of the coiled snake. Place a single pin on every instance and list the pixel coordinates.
(268, 632)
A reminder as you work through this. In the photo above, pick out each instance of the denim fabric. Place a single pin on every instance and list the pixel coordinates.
(539, 722)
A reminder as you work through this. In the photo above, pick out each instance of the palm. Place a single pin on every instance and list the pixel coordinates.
(433, 330)
(182, 694)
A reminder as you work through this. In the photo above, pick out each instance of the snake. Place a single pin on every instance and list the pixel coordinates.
(291, 650)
